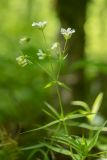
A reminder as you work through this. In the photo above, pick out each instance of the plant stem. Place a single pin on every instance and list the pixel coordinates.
(59, 67)
(60, 102)
(46, 49)
(44, 39)
(57, 89)
(61, 110)
(65, 46)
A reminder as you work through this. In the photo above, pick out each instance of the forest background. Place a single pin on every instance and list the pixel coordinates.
(22, 90)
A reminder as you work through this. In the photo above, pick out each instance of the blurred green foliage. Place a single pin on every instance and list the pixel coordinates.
(96, 30)
(21, 93)
(22, 90)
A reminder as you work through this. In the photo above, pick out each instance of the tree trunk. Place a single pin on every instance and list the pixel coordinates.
(72, 14)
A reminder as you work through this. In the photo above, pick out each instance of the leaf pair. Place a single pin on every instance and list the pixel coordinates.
(58, 118)
(54, 83)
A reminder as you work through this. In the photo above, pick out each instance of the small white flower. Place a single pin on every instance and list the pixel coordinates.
(22, 60)
(24, 40)
(67, 33)
(41, 55)
(55, 46)
(39, 25)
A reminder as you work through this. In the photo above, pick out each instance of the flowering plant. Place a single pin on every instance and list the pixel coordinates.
(60, 139)
(67, 33)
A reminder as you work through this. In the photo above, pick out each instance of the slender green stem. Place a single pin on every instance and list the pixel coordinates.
(60, 102)
(58, 93)
(59, 67)
(65, 47)
(46, 49)
(61, 110)
(72, 153)
(60, 56)
(44, 38)
(65, 127)
(52, 68)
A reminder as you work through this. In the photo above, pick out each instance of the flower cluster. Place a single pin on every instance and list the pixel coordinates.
(39, 25)
(67, 33)
(23, 60)
(41, 55)
(55, 48)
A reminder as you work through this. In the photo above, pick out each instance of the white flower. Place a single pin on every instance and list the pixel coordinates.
(39, 25)
(24, 40)
(67, 33)
(41, 55)
(55, 46)
(22, 60)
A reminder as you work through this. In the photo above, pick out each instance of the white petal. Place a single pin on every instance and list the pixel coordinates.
(33, 24)
(39, 54)
(69, 29)
(63, 30)
(73, 30)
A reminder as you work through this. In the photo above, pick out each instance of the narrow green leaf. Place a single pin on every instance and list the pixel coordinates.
(49, 114)
(63, 85)
(93, 140)
(43, 127)
(32, 154)
(52, 109)
(32, 147)
(59, 150)
(86, 126)
(96, 105)
(65, 56)
(50, 84)
(35, 151)
(74, 116)
(44, 154)
(82, 104)
(67, 141)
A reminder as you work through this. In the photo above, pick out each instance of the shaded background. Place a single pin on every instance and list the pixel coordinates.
(22, 89)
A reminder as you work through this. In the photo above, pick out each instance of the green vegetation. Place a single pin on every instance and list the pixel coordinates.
(53, 80)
